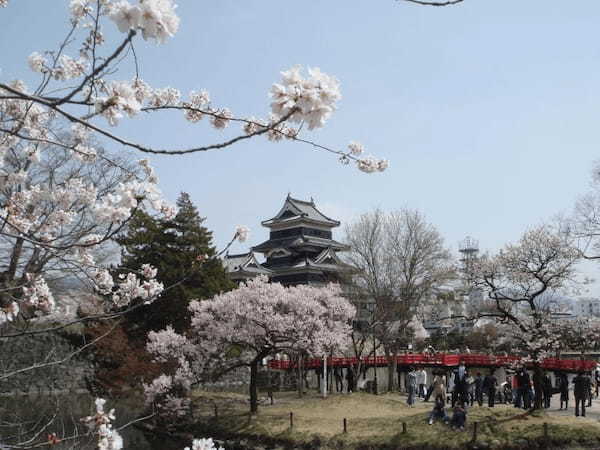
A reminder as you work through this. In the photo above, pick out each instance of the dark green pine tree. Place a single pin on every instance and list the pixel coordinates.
(174, 247)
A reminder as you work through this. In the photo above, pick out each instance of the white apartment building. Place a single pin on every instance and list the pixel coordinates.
(587, 307)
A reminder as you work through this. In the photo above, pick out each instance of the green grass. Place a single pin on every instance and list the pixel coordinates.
(376, 421)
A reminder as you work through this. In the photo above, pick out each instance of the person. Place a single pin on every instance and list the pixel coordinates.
(411, 386)
(438, 387)
(438, 411)
(597, 377)
(339, 381)
(489, 387)
(479, 389)
(319, 374)
(460, 384)
(471, 390)
(589, 394)
(581, 389)
(547, 390)
(350, 378)
(524, 388)
(422, 381)
(515, 390)
(459, 417)
(507, 391)
(563, 386)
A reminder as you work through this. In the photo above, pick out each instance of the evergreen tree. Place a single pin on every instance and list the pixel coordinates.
(182, 251)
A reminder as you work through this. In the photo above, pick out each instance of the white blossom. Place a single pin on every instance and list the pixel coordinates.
(100, 425)
(371, 164)
(125, 16)
(37, 62)
(221, 119)
(79, 8)
(203, 444)
(158, 19)
(356, 148)
(310, 100)
(241, 233)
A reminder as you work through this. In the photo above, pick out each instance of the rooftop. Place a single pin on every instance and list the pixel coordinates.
(295, 209)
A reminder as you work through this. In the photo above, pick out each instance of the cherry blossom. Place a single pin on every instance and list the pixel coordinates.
(258, 319)
(156, 18)
(37, 62)
(203, 444)
(242, 232)
(356, 148)
(100, 424)
(311, 100)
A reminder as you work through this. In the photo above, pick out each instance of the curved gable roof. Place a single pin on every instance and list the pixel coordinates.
(295, 209)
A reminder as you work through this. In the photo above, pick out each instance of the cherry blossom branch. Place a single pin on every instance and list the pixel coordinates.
(98, 69)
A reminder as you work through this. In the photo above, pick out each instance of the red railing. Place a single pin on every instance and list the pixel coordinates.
(439, 360)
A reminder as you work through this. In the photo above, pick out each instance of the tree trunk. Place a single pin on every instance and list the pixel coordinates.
(253, 387)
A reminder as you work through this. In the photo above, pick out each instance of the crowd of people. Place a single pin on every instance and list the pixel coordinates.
(463, 389)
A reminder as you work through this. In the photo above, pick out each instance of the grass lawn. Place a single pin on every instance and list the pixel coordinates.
(376, 421)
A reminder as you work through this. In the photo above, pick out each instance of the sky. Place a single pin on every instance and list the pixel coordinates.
(487, 111)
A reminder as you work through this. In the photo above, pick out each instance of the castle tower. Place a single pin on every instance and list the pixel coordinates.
(301, 248)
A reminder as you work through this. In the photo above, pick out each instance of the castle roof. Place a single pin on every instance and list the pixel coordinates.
(244, 264)
(300, 210)
(299, 242)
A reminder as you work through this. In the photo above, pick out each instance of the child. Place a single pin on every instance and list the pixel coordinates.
(459, 417)
(438, 411)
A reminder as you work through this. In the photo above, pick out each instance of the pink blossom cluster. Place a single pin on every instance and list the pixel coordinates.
(130, 287)
(100, 424)
(37, 295)
(257, 319)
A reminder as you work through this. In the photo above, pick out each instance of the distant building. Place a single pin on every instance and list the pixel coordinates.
(587, 307)
(243, 266)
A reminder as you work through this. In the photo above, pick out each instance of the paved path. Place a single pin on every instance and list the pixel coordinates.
(590, 413)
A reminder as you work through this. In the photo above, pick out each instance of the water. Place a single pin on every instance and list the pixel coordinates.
(22, 416)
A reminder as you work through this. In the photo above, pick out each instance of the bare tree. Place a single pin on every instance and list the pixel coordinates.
(401, 259)
(519, 282)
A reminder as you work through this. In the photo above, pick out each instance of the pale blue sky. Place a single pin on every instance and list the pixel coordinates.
(488, 111)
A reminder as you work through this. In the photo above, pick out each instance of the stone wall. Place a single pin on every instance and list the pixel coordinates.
(43, 350)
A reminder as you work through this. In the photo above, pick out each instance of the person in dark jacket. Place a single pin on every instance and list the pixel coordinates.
(547, 390)
(479, 389)
(350, 378)
(563, 387)
(459, 417)
(339, 379)
(589, 396)
(489, 387)
(524, 388)
(461, 386)
(438, 411)
(581, 390)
